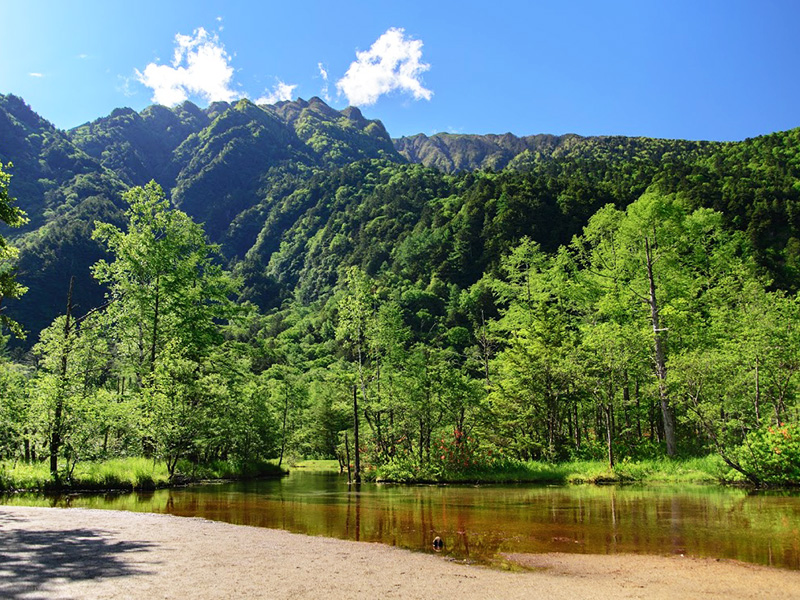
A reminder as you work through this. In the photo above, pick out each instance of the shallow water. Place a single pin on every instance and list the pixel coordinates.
(480, 523)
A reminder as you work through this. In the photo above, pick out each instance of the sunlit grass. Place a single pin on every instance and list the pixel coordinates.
(228, 469)
(134, 473)
(120, 473)
(708, 469)
(663, 470)
(330, 466)
(24, 476)
(145, 474)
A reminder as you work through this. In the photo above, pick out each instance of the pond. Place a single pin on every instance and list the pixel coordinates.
(481, 523)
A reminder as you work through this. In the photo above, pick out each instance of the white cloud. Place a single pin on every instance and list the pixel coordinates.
(324, 74)
(124, 86)
(35, 75)
(281, 91)
(200, 66)
(392, 63)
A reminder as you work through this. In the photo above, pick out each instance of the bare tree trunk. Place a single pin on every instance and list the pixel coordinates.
(55, 436)
(347, 455)
(392, 435)
(285, 416)
(357, 473)
(485, 350)
(626, 400)
(154, 339)
(607, 408)
(638, 411)
(667, 413)
(421, 439)
(570, 428)
(758, 397)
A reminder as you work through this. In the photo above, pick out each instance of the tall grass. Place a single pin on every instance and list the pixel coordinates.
(135, 473)
(315, 465)
(143, 473)
(229, 469)
(24, 476)
(119, 474)
(708, 469)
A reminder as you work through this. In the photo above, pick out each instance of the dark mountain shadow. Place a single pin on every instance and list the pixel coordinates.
(30, 560)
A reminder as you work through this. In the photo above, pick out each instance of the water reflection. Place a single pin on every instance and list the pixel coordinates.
(479, 523)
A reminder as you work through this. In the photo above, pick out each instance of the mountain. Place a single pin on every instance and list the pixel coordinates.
(51, 174)
(296, 191)
(159, 143)
(337, 137)
(63, 191)
(453, 153)
(217, 164)
(138, 147)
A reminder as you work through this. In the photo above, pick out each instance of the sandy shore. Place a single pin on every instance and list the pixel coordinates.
(78, 553)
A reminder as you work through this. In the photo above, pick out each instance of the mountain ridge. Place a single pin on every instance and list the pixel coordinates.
(295, 191)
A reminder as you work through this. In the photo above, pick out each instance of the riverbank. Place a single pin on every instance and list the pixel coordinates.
(79, 553)
(127, 474)
(137, 474)
(706, 470)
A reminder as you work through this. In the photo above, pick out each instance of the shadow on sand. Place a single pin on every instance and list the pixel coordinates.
(30, 560)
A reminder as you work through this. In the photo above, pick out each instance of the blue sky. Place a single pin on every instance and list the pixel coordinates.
(719, 70)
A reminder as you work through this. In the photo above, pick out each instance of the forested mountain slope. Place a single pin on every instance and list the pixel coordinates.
(453, 153)
(300, 273)
(295, 191)
(216, 164)
(463, 152)
(51, 175)
(63, 190)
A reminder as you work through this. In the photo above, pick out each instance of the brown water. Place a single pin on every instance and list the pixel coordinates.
(480, 523)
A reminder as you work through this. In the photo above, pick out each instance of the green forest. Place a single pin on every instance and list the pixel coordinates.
(230, 289)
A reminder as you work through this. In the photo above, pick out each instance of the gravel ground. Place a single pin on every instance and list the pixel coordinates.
(80, 553)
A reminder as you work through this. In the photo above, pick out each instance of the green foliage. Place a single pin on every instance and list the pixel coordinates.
(10, 288)
(337, 137)
(292, 203)
(23, 476)
(229, 469)
(773, 453)
(132, 473)
(114, 474)
(15, 409)
(316, 465)
(709, 469)
(597, 298)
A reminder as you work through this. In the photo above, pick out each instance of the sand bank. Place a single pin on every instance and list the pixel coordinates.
(79, 553)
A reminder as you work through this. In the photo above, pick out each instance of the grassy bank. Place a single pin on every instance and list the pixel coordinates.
(126, 474)
(315, 465)
(144, 474)
(708, 469)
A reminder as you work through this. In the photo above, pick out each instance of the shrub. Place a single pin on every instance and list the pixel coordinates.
(773, 454)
